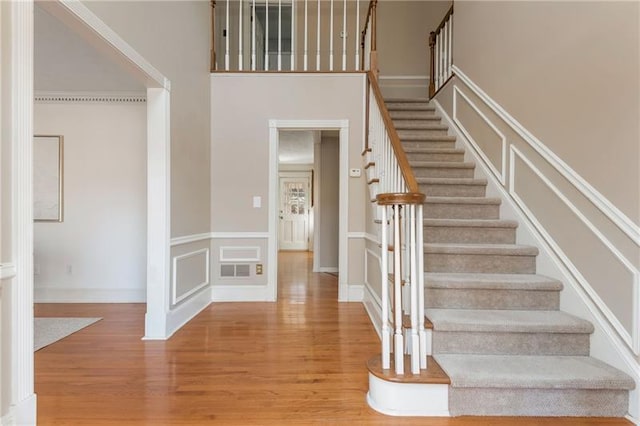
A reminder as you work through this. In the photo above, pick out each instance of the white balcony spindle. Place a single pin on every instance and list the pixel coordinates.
(240, 50)
(398, 338)
(344, 36)
(306, 37)
(331, 35)
(415, 340)
(450, 24)
(384, 266)
(227, 37)
(318, 40)
(420, 258)
(253, 35)
(266, 35)
(357, 37)
(292, 42)
(279, 35)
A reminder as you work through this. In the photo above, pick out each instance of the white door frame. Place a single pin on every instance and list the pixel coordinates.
(274, 127)
(19, 369)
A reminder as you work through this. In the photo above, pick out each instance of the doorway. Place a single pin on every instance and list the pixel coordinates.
(277, 129)
(294, 211)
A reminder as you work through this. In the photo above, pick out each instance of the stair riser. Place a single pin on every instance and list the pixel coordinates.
(429, 144)
(442, 190)
(448, 157)
(421, 133)
(461, 211)
(469, 235)
(498, 343)
(481, 263)
(409, 106)
(442, 172)
(415, 115)
(537, 402)
(491, 299)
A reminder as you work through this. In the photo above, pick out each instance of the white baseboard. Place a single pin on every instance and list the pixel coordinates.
(632, 419)
(89, 295)
(187, 310)
(408, 399)
(373, 306)
(21, 414)
(355, 293)
(328, 269)
(241, 293)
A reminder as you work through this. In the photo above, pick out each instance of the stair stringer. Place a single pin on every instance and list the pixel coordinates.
(606, 344)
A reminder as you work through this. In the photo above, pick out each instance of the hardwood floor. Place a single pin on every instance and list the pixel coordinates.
(296, 362)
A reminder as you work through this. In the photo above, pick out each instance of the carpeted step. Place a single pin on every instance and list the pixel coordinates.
(442, 169)
(431, 131)
(419, 125)
(491, 291)
(414, 115)
(480, 258)
(470, 231)
(410, 106)
(430, 154)
(485, 385)
(508, 332)
(449, 207)
(448, 187)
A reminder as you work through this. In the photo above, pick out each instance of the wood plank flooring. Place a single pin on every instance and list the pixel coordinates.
(300, 361)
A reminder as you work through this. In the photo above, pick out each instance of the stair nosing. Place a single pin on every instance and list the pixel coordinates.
(471, 223)
(482, 249)
(488, 281)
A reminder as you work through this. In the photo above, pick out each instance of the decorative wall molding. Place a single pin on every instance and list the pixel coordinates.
(7, 270)
(328, 269)
(185, 312)
(175, 297)
(600, 201)
(356, 235)
(90, 97)
(239, 235)
(188, 239)
(227, 255)
(356, 293)
(500, 174)
(632, 339)
(372, 238)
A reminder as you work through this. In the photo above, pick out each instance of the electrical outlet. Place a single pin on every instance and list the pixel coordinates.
(259, 269)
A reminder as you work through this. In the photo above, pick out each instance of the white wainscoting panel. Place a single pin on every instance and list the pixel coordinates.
(195, 277)
(240, 254)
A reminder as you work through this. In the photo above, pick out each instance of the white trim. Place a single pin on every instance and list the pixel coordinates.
(239, 235)
(174, 281)
(89, 295)
(501, 175)
(632, 419)
(373, 306)
(355, 293)
(371, 238)
(188, 239)
(272, 256)
(241, 293)
(328, 269)
(7, 270)
(89, 97)
(183, 313)
(356, 235)
(600, 201)
(24, 412)
(257, 258)
(408, 399)
(76, 15)
(290, 74)
(633, 339)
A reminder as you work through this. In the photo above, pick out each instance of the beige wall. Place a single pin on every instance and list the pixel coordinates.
(174, 37)
(328, 202)
(570, 73)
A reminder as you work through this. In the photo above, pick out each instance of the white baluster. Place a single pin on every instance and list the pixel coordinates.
(357, 37)
(318, 40)
(306, 37)
(331, 36)
(450, 23)
(266, 35)
(279, 35)
(415, 342)
(420, 248)
(227, 37)
(240, 52)
(445, 51)
(253, 35)
(292, 43)
(384, 266)
(398, 339)
(344, 36)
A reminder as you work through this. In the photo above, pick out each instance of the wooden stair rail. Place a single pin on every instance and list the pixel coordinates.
(373, 55)
(401, 156)
(441, 59)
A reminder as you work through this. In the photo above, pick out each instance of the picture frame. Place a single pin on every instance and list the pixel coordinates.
(48, 178)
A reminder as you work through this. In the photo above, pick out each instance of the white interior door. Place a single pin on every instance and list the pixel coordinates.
(294, 213)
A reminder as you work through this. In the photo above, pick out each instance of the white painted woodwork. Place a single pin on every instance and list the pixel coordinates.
(330, 35)
(294, 213)
(318, 39)
(240, 38)
(226, 39)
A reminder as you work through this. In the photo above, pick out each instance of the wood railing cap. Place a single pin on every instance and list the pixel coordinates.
(391, 198)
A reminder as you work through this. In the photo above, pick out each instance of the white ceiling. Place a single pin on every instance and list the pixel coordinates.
(64, 62)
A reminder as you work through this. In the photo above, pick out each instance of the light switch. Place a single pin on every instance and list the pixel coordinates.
(355, 172)
(257, 202)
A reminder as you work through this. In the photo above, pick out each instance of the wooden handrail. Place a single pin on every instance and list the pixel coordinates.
(213, 36)
(433, 37)
(371, 16)
(444, 21)
(401, 156)
(392, 198)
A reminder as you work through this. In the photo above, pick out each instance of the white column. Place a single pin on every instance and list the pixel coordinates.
(398, 340)
(384, 266)
(253, 35)
(415, 340)
(158, 212)
(266, 35)
(21, 377)
(420, 247)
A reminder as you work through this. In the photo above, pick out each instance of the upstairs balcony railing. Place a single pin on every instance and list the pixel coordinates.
(441, 54)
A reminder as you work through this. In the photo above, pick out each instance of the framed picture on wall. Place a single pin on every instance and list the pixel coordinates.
(48, 161)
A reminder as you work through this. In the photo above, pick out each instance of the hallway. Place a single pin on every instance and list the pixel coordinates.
(299, 361)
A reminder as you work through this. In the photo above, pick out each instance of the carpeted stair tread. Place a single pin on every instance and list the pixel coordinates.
(418, 125)
(412, 150)
(532, 282)
(451, 181)
(412, 137)
(443, 164)
(507, 321)
(471, 223)
(409, 106)
(408, 100)
(462, 200)
(414, 115)
(536, 372)
(482, 249)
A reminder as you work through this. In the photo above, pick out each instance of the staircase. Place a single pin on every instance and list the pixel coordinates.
(497, 332)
